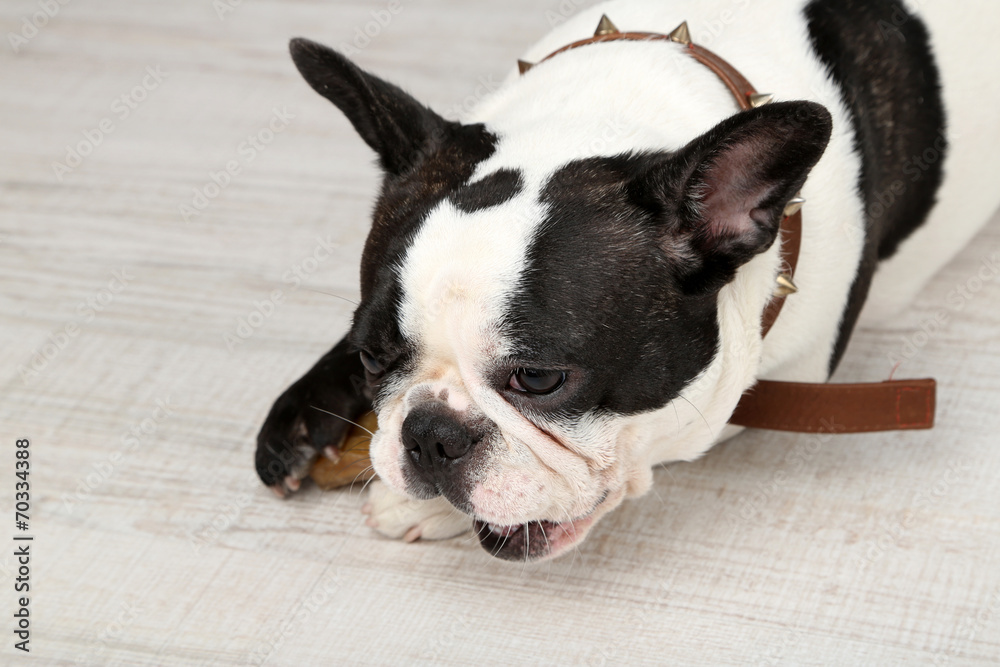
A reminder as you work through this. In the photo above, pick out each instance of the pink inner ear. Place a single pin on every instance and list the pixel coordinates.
(732, 190)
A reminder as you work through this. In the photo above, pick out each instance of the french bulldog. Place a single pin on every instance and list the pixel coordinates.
(564, 288)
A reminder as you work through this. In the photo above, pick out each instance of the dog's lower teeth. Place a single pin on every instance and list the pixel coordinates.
(502, 531)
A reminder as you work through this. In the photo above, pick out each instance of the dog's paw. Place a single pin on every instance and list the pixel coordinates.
(397, 516)
(294, 434)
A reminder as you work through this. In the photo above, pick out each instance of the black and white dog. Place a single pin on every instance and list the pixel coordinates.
(565, 289)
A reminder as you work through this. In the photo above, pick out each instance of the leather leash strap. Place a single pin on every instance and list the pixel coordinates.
(866, 407)
(795, 406)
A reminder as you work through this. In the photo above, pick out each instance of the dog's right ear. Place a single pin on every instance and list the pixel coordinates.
(397, 127)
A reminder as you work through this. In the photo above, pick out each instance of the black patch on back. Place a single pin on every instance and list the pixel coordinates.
(497, 188)
(880, 57)
(637, 339)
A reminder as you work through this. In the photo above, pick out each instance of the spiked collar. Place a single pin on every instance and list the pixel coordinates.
(792, 406)
(747, 97)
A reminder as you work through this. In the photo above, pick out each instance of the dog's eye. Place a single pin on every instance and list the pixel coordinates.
(534, 381)
(370, 363)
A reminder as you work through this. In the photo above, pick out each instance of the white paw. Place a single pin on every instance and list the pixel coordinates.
(397, 516)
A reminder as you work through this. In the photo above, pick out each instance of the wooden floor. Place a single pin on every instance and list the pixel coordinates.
(141, 345)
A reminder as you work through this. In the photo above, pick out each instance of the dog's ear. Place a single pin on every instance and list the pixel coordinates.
(397, 127)
(723, 195)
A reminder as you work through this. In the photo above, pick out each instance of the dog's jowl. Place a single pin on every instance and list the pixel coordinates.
(566, 288)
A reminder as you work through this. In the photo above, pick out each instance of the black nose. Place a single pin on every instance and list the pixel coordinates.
(434, 436)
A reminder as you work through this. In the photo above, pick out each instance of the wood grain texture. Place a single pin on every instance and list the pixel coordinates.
(163, 549)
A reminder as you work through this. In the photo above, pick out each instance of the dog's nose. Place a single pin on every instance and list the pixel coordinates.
(433, 437)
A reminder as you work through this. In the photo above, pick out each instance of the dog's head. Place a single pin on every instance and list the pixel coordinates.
(515, 326)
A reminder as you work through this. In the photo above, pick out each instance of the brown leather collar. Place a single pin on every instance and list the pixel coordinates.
(793, 406)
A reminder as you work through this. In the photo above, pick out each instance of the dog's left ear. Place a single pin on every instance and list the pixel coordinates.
(722, 196)
(401, 130)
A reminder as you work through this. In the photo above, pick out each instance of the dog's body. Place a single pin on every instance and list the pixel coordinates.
(567, 289)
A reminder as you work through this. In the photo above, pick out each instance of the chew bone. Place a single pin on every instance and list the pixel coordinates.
(353, 464)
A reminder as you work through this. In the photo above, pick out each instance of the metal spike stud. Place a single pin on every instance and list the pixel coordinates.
(760, 99)
(605, 27)
(523, 66)
(794, 206)
(681, 34)
(784, 285)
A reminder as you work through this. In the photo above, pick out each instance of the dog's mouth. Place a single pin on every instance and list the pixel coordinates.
(534, 540)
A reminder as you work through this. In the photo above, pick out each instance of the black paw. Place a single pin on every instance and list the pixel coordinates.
(310, 419)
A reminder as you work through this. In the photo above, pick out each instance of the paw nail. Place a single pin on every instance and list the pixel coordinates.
(371, 523)
(412, 535)
(332, 453)
(292, 483)
(278, 491)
